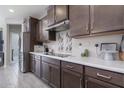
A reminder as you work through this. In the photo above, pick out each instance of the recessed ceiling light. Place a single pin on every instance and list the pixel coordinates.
(11, 10)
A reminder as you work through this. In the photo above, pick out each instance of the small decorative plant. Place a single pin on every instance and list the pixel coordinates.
(86, 53)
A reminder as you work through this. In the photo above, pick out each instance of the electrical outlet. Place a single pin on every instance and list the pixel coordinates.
(80, 44)
(96, 45)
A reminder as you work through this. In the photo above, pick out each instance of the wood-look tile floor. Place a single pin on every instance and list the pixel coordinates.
(11, 77)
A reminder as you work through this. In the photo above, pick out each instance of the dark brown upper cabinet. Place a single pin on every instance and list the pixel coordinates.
(33, 28)
(39, 33)
(57, 13)
(51, 15)
(61, 13)
(106, 18)
(44, 35)
(79, 20)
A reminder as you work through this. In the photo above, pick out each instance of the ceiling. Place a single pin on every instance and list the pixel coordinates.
(22, 11)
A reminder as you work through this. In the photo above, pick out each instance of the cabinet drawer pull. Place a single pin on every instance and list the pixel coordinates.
(103, 76)
(86, 83)
(81, 82)
(87, 27)
(68, 66)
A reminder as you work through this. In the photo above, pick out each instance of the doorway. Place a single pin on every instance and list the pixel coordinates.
(15, 31)
(15, 46)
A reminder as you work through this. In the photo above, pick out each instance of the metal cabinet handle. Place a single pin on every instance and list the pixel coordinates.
(87, 27)
(69, 66)
(86, 81)
(80, 82)
(92, 26)
(103, 76)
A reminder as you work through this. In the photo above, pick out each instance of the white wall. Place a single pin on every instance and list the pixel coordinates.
(6, 37)
(13, 21)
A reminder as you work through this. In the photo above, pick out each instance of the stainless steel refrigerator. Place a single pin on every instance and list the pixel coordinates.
(24, 52)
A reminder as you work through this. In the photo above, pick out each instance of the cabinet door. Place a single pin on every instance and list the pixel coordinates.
(33, 28)
(45, 72)
(79, 20)
(47, 35)
(61, 13)
(94, 83)
(54, 76)
(106, 18)
(50, 12)
(32, 64)
(39, 34)
(37, 68)
(70, 79)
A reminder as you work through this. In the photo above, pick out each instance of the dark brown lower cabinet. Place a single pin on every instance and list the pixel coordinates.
(71, 79)
(51, 73)
(54, 76)
(95, 83)
(35, 65)
(99, 78)
(38, 68)
(45, 72)
(32, 63)
(70, 75)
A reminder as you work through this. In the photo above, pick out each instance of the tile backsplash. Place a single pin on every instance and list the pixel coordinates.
(89, 43)
(66, 44)
(63, 42)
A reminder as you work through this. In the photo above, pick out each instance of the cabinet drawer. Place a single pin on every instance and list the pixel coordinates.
(105, 75)
(95, 83)
(51, 60)
(72, 66)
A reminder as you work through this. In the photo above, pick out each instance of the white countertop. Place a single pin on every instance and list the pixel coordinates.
(116, 66)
